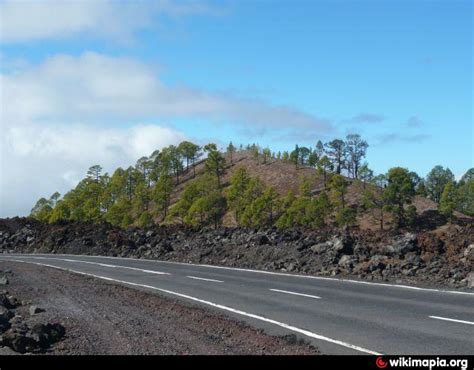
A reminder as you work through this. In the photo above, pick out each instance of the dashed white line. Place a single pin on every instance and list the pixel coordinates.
(200, 278)
(222, 307)
(294, 293)
(453, 320)
(101, 264)
(286, 274)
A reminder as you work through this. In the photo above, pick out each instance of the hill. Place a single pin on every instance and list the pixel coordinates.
(284, 176)
(309, 188)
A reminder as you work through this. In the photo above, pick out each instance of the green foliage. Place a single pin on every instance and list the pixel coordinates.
(339, 187)
(144, 167)
(201, 203)
(297, 214)
(262, 210)
(436, 180)
(239, 183)
(305, 187)
(375, 200)
(365, 174)
(336, 152)
(266, 154)
(399, 192)
(448, 200)
(94, 172)
(304, 211)
(421, 189)
(145, 219)
(215, 162)
(119, 212)
(321, 208)
(139, 193)
(141, 198)
(171, 161)
(126, 221)
(346, 217)
(295, 156)
(252, 202)
(42, 210)
(189, 151)
(230, 151)
(355, 149)
(207, 209)
(61, 212)
(324, 167)
(468, 176)
(162, 194)
(254, 151)
(313, 159)
(465, 197)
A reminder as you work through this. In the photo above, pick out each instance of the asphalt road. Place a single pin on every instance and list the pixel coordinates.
(339, 316)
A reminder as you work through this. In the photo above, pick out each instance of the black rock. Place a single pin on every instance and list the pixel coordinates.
(19, 342)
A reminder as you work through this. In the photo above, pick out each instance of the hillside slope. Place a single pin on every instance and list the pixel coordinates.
(283, 176)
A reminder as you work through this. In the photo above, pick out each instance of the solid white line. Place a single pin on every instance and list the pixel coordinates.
(102, 264)
(222, 307)
(284, 274)
(198, 278)
(294, 293)
(453, 320)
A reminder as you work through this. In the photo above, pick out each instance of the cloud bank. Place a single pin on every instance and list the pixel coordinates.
(94, 86)
(60, 117)
(25, 21)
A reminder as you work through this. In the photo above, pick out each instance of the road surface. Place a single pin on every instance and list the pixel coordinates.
(338, 316)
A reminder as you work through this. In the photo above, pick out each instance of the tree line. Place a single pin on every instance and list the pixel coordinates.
(143, 194)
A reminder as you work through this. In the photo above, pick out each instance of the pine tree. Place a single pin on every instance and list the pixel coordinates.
(239, 183)
(448, 200)
(215, 162)
(145, 219)
(324, 168)
(436, 180)
(399, 192)
(162, 194)
(339, 187)
(336, 151)
(230, 152)
(356, 149)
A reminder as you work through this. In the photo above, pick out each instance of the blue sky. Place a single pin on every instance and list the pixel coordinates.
(98, 76)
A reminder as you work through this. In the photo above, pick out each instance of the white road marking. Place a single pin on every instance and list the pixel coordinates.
(285, 274)
(294, 293)
(199, 278)
(453, 320)
(222, 307)
(102, 264)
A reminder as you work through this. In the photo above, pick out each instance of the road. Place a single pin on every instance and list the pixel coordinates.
(338, 316)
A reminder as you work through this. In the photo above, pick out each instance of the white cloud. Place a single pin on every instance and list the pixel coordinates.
(59, 117)
(94, 86)
(30, 20)
(40, 159)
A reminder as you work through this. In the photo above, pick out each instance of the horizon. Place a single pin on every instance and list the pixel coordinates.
(105, 82)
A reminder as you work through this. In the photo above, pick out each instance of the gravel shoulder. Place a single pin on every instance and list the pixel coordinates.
(106, 318)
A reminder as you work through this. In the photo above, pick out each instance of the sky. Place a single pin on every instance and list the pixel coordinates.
(106, 82)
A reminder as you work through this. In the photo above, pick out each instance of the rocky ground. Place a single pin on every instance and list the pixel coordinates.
(440, 257)
(73, 314)
(23, 327)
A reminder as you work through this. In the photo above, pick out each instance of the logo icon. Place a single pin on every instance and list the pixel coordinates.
(381, 364)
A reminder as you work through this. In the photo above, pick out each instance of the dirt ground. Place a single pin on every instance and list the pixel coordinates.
(105, 318)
